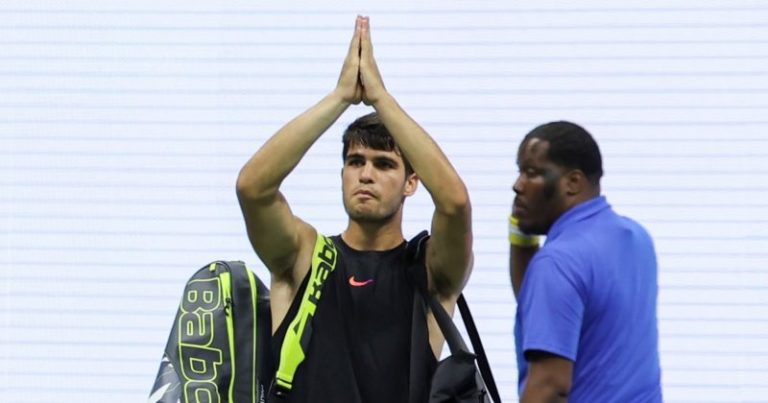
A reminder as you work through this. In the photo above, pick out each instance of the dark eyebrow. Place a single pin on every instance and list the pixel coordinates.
(352, 156)
(375, 159)
(385, 159)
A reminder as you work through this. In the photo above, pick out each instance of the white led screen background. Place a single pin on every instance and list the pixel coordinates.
(123, 126)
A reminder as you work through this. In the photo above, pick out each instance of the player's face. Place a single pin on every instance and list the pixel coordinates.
(539, 192)
(374, 183)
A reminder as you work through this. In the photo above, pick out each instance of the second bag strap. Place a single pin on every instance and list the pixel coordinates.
(477, 346)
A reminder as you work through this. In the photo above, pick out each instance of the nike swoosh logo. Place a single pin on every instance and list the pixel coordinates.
(355, 283)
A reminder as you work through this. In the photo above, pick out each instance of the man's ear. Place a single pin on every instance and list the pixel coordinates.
(575, 182)
(411, 184)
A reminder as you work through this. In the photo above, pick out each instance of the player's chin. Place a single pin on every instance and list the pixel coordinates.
(360, 211)
(366, 215)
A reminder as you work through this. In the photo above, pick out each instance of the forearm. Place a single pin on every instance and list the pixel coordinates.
(519, 257)
(522, 247)
(264, 172)
(427, 159)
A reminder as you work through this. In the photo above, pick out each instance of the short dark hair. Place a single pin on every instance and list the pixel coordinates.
(369, 132)
(570, 146)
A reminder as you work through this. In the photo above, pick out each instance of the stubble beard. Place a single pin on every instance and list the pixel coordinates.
(370, 216)
(374, 215)
(549, 195)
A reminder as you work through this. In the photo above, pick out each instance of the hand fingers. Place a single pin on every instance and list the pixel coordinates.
(354, 45)
(366, 48)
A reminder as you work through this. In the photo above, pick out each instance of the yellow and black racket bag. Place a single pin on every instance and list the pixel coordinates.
(219, 347)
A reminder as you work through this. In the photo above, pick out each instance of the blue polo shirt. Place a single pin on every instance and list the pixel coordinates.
(589, 295)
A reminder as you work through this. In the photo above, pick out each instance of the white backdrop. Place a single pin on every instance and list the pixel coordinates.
(123, 126)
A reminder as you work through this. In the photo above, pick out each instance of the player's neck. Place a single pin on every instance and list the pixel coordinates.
(374, 236)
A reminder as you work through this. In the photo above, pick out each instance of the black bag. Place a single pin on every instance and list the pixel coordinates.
(219, 347)
(456, 378)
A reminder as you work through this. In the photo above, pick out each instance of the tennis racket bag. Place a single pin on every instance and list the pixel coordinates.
(219, 347)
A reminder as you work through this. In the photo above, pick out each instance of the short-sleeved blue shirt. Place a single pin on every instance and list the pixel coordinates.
(589, 295)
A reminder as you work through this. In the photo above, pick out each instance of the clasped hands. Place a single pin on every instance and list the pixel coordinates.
(360, 79)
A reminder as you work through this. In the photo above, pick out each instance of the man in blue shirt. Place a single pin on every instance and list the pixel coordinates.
(586, 326)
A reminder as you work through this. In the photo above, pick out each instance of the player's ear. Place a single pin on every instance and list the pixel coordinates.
(411, 184)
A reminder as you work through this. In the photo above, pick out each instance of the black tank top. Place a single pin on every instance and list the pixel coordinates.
(360, 349)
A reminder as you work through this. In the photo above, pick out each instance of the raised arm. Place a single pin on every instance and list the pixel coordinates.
(522, 247)
(277, 236)
(449, 252)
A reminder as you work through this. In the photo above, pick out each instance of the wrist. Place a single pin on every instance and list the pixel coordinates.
(520, 239)
(340, 97)
(381, 100)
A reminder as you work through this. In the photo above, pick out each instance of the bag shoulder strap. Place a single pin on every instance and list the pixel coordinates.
(447, 327)
(415, 252)
(477, 346)
(420, 375)
(299, 332)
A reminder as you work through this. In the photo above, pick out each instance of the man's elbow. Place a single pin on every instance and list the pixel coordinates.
(456, 203)
(249, 186)
(244, 185)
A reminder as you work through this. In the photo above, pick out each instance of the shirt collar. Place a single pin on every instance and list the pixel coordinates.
(577, 213)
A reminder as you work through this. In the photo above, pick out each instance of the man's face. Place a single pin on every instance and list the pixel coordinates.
(539, 194)
(374, 184)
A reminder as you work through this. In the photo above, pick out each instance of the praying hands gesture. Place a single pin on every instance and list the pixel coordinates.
(360, 79)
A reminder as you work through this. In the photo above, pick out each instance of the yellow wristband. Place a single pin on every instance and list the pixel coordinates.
(519, 238)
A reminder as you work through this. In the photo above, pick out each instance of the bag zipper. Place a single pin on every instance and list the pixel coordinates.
(226, 288)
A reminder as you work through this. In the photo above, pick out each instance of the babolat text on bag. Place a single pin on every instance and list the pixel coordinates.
(219, 347)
